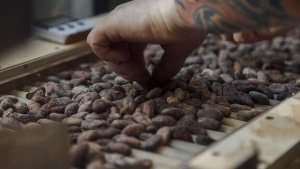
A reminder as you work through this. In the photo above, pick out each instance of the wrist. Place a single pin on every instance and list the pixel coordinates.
(171, 17)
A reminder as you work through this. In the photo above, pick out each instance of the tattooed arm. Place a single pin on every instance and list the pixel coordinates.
(227, 16)
(179, 26)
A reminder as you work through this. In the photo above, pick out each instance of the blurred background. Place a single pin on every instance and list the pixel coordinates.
(18, 15)
(75, 8)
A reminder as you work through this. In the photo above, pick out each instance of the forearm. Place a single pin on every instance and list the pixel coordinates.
(227, 16)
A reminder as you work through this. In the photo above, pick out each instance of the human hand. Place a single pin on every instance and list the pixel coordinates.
(256, 36)
(122, 36)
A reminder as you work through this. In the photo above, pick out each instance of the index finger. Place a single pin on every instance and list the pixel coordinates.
(107, 44)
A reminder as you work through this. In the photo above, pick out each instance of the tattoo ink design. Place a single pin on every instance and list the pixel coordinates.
(226, 16)
(212, 20)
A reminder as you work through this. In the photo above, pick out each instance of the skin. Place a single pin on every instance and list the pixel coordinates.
(180, 26)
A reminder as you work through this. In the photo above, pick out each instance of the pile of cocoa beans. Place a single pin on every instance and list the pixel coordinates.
(107, 116)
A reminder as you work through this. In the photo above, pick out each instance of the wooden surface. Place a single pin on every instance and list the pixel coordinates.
(275, 134)
(37, 54)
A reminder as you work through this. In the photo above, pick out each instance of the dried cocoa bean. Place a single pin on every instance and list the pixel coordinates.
(154, 93)
(246, 115)
(149, 108)
(165, 133)
(99, 106)
(259, 98)
(72, 121)
(152, 143)
(144, 136)
(210, 124)
(57, 117)
(180, 133)
(176, 113)
(162, 121)
(120, 148)
(204, 140)
(71, 109)
(10, 123)
(210, 112)
(238, 107)
(94, 124)
(133, 130)
(131, 141)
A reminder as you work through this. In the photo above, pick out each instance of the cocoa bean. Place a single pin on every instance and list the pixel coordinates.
(154, 93)
(133, 130)
(10, 123)
(94, 124)
(209, 123)
(203, 140)
(131, 141)
(162, 121)
(71, 109)
(119, 148)
(259, 98)
(149, 108)
(176, 113)
(152, 143)
(165, 133)
(180, 133)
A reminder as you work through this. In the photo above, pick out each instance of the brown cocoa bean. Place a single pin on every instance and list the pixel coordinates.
(99, 106)
(77, 154)
(210, 112)
(204, 140)
(133, 130)
(217, 88)
(94, 124)
(180, 133)
(208, 123)
(223, 109)
(259, 98)
(57, 117)
(165, 133)
(176, 113)
(154, 93)
(120, 124)
(21, 107)
(86, 107)
(196, 128)
(151, 129)
(140, 99)
(180, 94)
(6, 104)
(162, 121)
(152, 143)
(95, 116)
(71, 109)
(144, 136)
(244, 99)
(149, 108)
(246, 115)
(239, 107)
(131, 141)
(10, 123)
(120, 148)
(72, 121)
(141, 119)
(194, 102)
(80, 115)
(26, 118)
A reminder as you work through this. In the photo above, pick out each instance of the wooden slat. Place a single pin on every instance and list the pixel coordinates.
(233, 122)
(159, 159)
(185, 146)
(275, 134)
(174, 153)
